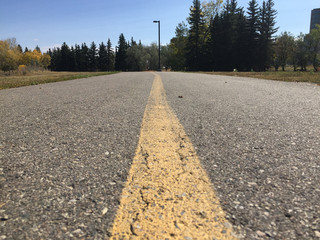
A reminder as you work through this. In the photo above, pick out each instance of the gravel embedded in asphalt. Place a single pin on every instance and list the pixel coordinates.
(259, 141)
(65, 151)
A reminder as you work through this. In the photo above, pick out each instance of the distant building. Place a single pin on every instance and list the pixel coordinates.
(315, 18)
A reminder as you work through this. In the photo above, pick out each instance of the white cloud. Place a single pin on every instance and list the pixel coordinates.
(36, 39)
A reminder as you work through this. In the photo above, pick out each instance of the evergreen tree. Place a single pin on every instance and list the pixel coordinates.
(72, 57)
(77, 54)
(253, 35)
(233, 40)
(103, 57)
(194, 56)
(37, 48)
(227, 42)
(240, 46)
(19, 48)
(110, 56)
(64, 64)
(267, 30)
(214, 53)
(92, 57)
(56, 60)
(121, 54)
(84, 59)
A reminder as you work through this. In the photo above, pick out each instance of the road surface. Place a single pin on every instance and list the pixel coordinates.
(66, 151)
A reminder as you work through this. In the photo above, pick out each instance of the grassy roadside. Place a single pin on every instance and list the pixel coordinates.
(311, 77)
(44, 77)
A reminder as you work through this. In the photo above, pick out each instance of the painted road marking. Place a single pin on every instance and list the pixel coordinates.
(168, 194)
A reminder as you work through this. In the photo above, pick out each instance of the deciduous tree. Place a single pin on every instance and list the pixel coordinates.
(313, 41)
(284, 48)
(177, 46)
(10, 55)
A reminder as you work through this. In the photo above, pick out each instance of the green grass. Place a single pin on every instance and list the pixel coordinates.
(311, 77)
(40, 77)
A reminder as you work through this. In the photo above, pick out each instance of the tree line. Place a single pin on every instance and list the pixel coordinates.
(127, 56)
(82, 58)
(12, 57)
(218, 36)
(297, 51)
(231, 38)
(227, 38)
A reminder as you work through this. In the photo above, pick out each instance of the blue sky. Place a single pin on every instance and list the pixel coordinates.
(49, 23)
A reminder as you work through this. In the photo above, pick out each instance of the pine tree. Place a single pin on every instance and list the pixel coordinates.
(72, 57)
(64, 64)
(19, 48)
(121, 54)
(84, 59)
(92, 53)
(240, 45)
(213, 53)
(267, 30)
(56, 60)
(103, 57)
(253, 34)
(236, 18)
(194, 56)
(110, 56)
(77, 54)
(37, 48)
(228, 37)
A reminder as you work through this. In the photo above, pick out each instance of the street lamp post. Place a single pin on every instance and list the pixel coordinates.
(159, 69)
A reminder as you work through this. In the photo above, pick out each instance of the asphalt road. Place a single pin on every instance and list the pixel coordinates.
(259, 141)
(66, 149)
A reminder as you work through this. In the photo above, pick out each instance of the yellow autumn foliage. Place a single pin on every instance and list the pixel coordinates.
(22, 69)
(45, 60)
(32, 58)
(11, 58)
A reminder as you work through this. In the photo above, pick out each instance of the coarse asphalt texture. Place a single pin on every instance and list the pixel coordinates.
(259, 141)
(66, 149)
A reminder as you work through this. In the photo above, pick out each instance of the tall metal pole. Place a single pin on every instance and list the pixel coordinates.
(159, 69)
(159, 46)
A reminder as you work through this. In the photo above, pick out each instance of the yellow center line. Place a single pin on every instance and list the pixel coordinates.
(168, 194)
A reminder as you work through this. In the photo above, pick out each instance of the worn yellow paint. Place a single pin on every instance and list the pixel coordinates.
(168, 194)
